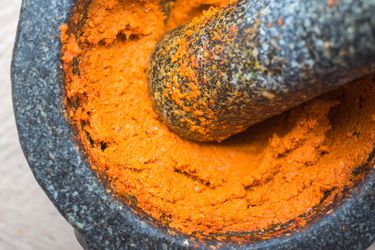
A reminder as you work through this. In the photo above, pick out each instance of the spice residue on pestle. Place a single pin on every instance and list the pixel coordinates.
(272, 173)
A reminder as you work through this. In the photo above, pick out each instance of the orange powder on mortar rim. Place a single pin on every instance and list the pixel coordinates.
(275, 172)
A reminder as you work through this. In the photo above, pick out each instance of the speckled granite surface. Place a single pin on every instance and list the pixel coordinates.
(260, 58)
(61, 170)
(25, 211)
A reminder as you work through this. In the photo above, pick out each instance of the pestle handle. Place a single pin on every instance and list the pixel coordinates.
(216, 76)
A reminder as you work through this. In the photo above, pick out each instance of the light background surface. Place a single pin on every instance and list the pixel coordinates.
(28, 220)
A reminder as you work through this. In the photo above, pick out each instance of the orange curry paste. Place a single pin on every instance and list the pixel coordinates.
(275, 172)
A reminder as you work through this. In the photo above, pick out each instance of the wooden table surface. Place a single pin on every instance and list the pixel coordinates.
(28, 220)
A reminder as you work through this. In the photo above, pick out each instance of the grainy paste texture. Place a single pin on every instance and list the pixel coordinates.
(273, 177)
